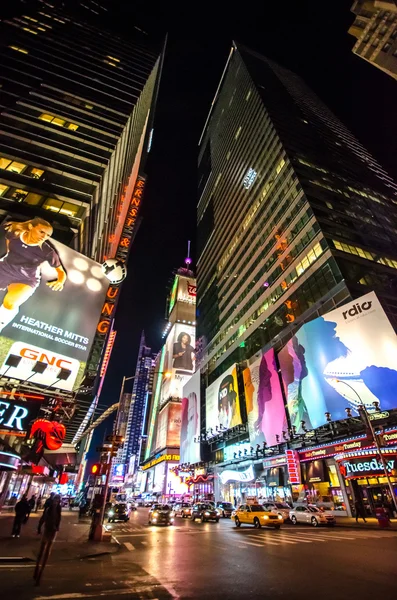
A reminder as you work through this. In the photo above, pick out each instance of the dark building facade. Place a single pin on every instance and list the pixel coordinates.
(76, 110)
(294, 217)
(140, 400)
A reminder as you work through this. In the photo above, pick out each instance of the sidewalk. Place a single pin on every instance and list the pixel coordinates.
(371, 523)
(71, 541)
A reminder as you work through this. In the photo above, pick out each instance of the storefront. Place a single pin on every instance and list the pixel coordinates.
(365, 478)
(275, 484)
(236, 482)
(201, 486)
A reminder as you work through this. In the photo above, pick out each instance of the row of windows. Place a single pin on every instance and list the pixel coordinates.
(273, 297)
(383, 260)
(58, 121)
(15, 166)
(275, 294)
(53, 204)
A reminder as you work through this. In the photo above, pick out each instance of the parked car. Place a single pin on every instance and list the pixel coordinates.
(280, 508)
(205, 512)
(258, 516)
(184, 510)
(311, 515)
(118, 512)
(161, 514)
(225, 509)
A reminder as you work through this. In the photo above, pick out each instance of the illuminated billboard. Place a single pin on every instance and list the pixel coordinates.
(179, 360)
(264, 401)
(169, 426)
(183, 290)
(51, 298)
(223, 401)
(190, 425)
(340, 360)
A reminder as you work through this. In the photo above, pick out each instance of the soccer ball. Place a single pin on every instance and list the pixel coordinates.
(115, 270)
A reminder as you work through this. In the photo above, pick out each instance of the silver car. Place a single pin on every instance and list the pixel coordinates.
(310, 515)
(280, 508)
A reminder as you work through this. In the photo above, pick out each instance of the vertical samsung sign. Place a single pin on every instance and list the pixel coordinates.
(112, 294)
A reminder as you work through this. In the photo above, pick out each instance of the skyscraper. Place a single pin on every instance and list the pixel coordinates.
(294, 217)
(77, 117)
(139, 401)
(375, 28)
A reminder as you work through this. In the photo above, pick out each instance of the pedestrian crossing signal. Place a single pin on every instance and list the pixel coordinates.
(96, 469)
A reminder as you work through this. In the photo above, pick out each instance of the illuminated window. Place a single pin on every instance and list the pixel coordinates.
(19, 195)
(112, 64)
(248, 95)
(18, 49)
(69, 209)
(238, 133)
(280, 166)
(4, 162)
(16, 167)
(45, 117)
(89, 106)
(36, 173)
(30, 18)
(3, 189)
(33, 199)
(52, 204)
(58, 121)
(30, 30)
(357, 251)
(113, 58)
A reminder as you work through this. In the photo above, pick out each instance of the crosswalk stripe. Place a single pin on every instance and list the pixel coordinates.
(254, 544)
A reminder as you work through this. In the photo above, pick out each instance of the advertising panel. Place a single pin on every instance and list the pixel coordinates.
(179, 360)
(169, 426)
(222, 401)
(183, 290)
(190, 425)
(16, 416)
(264, 400)
(343, 359)
(51, 298)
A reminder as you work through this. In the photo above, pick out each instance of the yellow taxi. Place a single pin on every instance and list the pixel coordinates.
(256, 515)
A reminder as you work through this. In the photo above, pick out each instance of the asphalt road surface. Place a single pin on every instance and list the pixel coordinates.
(218, 561)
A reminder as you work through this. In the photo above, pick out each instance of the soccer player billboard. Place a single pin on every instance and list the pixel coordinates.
(50, 301)
(222, 401)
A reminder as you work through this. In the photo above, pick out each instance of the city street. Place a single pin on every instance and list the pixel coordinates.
(216, 560)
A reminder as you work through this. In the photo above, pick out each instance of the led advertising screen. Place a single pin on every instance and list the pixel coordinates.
(179, 359)
(264, 401)
(190, 425)
(51, 298)
(223, 402)
(343, 359)
(169, 426)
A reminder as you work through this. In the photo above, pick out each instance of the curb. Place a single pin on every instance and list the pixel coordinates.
(15, 559)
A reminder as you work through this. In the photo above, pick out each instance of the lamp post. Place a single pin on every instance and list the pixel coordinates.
(376, 442)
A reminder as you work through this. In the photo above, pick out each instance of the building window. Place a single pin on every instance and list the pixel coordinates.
(19, 195)
(248, 95)
(117, 60)
(14, 166)
(64, 208)
(52, 204)
(3, 189)
(35, 173)
(58, 121)
(19, 49)
(238, 133)
(4, 162)
(33, 199)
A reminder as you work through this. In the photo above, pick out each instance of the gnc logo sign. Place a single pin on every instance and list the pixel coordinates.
(30, 354)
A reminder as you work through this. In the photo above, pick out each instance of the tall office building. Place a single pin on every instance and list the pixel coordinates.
(295, 217)
(375, 28)
(77, 103)
(138, 403)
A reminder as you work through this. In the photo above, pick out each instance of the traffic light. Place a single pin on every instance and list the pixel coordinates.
(96, 469)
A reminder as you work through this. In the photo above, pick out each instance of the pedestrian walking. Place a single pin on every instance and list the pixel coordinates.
(49, 523)
(21, 512)
(32, 503)
(359, 511)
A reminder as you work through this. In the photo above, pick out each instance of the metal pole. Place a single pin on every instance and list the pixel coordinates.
(376, 442)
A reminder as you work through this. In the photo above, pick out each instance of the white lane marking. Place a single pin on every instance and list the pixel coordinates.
(15, 566)
(80, 595)
(144, 543)
(129, 546)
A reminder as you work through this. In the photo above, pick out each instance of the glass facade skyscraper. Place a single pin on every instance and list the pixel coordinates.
(294, 216)
(77, 109)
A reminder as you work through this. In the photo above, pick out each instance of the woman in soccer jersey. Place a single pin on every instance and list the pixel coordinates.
(20, 273)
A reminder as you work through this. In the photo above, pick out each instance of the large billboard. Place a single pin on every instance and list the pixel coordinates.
(169, 426)
(343, 359)
(222, 401)
(264, 401)
(51, 298)
(179, 360)
(190, 425)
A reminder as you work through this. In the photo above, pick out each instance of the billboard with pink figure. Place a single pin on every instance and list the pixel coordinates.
(264, 401)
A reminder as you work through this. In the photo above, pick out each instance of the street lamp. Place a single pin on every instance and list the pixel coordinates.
(375, 439)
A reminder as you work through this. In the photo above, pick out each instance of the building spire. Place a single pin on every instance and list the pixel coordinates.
(188, 260)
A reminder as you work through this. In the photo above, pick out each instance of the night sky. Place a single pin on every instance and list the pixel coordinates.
(310, 38)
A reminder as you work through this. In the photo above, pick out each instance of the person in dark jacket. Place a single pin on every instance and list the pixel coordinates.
(21, 512)
(50, 522)
(32, 504)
